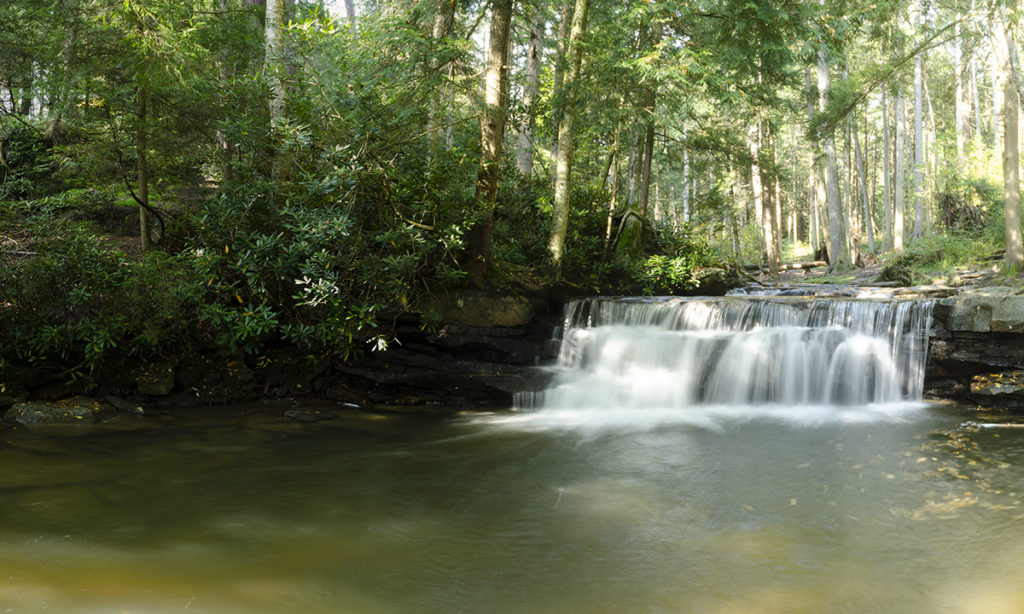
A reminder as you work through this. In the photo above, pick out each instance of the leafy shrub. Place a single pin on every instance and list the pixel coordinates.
(29, 169)
(683, 253)
(76, 304)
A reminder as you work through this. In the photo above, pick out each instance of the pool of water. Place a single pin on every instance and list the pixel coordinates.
(919, 511)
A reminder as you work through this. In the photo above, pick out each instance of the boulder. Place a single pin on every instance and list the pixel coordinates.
(1003, 390)
(997, 309)
(78, 410)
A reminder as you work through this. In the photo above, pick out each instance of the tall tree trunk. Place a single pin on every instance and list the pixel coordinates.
(899, 191)
(557, 86)
(563, 164)
(1011, 176)
(524, 152)
(1011, 147)
(959, 97)
(918, 147)
(650, 100)
(26, 95)
(975, 98)
(444, 20)
(816, 174)
(273, 65)
(863, 183)
(886, 171)
(274, 58)
(757, 195)
(141, 143)
(350, 9)
(492, 130)
(839, 260)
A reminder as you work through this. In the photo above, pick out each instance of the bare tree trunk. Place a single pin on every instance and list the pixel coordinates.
(444, 20)
(757, 194)
(141, 143)
(886, 171)
(918, 147)
(862, 182)
(563, 164)
(1011, 176)
(350, 9)
(650, 100)
(1011, 145)
(839, 260)
(524, 151)
(818, 197)
(492, 131)
(899, 192)
(273, 65)
(274, 58)
(557, 102)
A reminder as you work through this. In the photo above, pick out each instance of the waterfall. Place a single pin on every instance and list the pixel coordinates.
(676, 353)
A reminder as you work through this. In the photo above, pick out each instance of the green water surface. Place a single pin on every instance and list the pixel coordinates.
(381, 513)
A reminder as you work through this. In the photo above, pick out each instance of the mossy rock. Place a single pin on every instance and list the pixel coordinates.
(898, 273)
(78, 410)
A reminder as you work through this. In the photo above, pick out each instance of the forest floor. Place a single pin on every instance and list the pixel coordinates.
(977, 274)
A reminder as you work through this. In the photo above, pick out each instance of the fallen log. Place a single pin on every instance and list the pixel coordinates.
(802, 265)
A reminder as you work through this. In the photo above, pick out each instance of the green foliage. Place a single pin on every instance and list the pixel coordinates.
(28, 164)
(675, 270)
(77, 303)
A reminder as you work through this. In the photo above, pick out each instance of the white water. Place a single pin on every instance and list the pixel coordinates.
(650, 361)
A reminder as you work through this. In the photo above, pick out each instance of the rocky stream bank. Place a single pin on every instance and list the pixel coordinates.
(485, 347)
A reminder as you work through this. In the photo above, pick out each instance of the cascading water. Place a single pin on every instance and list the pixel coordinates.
(670, 354)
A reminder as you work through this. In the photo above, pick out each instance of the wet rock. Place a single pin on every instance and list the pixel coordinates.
(77, 410)
(124, 405)
(157, 379)
(1003, 390)
(309, 415)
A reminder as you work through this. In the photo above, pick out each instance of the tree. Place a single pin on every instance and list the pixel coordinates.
(273, 64)
(1011, 142)
(531, 88)
(839, 260)
(492, 131)
(566, 135)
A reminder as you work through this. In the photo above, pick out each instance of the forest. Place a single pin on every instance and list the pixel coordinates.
(188, 176)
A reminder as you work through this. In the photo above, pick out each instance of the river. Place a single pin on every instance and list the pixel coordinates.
(907, 509)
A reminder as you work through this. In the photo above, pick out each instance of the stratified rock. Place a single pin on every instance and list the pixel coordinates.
(1002, 390)
(72, 411)
(997, 309)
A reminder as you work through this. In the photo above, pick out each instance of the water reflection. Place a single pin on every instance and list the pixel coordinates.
(410, 514)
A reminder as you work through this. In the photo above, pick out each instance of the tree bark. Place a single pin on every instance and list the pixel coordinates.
(561, 49)
(492, 131)
(839, 261)
(273, 59)
(899, 193)
(563, 165)
(650, 100)
(862, 182)
(1011, 169)
(142, 167)
(886, 171)
(918, 147)
(524, 153)
(444, 20)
